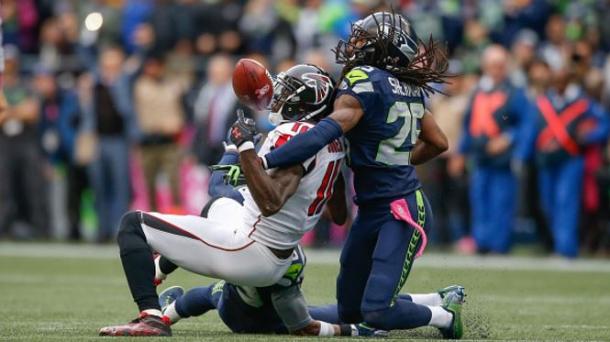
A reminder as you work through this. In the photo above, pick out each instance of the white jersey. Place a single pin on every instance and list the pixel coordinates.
(302, 211)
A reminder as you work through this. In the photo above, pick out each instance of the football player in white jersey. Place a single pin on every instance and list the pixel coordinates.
(252, 246)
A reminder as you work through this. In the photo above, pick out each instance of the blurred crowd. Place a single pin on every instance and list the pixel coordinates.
(118, 104)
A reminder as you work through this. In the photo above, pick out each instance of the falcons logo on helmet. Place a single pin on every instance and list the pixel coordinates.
(320, 83)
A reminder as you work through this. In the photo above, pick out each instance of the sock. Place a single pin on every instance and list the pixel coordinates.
(159, 275)
(441, 318)
(165, 266)
(170, 311)
(431, 299)
(138, 264)
(153, 312)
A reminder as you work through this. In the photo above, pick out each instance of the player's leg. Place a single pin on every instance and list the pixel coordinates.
(195, 302)
(356, 260)
(568, 198)
(393, 258)
(502, 208)
(329, 313)
(392, 261)
(222, 209)
(479, 183)
(194, 243)
(212, 248)
(136, 257)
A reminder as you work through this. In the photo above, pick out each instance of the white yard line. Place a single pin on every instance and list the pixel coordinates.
(432, 260)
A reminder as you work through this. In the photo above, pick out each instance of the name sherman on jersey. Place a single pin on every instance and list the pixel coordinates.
(381, 143)
(302, 211)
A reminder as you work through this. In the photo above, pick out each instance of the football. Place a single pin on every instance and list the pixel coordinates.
(252, 84)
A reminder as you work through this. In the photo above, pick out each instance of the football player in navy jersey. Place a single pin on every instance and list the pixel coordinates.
(380, 108)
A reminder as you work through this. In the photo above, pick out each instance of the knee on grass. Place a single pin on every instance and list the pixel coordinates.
(377, 319)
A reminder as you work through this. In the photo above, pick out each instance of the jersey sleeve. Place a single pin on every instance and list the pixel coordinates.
(282, 134)
(291, 307)
(361, 83)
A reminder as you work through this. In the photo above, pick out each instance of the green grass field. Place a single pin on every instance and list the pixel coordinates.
(68, 293)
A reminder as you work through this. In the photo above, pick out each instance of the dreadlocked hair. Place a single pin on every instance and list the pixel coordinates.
(429, 65)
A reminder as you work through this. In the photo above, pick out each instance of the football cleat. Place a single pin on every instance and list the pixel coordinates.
(144, 325)
(457, 289)
(453, 304)
(365, 330)
(169, 295)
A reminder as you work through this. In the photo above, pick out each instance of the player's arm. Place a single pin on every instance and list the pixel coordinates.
(217, 186)
(346, 115)
(291, 307)
(269, 191)
(337, 204)
(432, 141)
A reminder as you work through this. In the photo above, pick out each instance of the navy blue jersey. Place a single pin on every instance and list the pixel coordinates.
(381, 143)
(252, 309)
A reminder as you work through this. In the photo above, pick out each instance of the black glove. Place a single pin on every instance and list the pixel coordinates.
(242, 132)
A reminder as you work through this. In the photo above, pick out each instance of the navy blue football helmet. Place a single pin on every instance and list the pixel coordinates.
(382, 39)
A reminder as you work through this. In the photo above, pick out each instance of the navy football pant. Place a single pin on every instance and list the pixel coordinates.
(561, 195)
(234, 312)
(375, 263)
(493, 202)
(237, 316)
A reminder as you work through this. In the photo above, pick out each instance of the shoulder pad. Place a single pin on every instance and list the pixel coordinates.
(361, 79)
(363, 73)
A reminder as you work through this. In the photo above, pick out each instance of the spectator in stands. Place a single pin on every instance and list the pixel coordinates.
(555, 50)
(109, 123)
(159, 109)
(59, 120)
(214, 110)
(22, 186)
(564, 122)
(446, 179)
(476, 39)
(523, 53)
(492, 125)
(266, 32)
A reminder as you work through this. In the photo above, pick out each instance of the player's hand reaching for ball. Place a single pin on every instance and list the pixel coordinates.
(243, 132)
